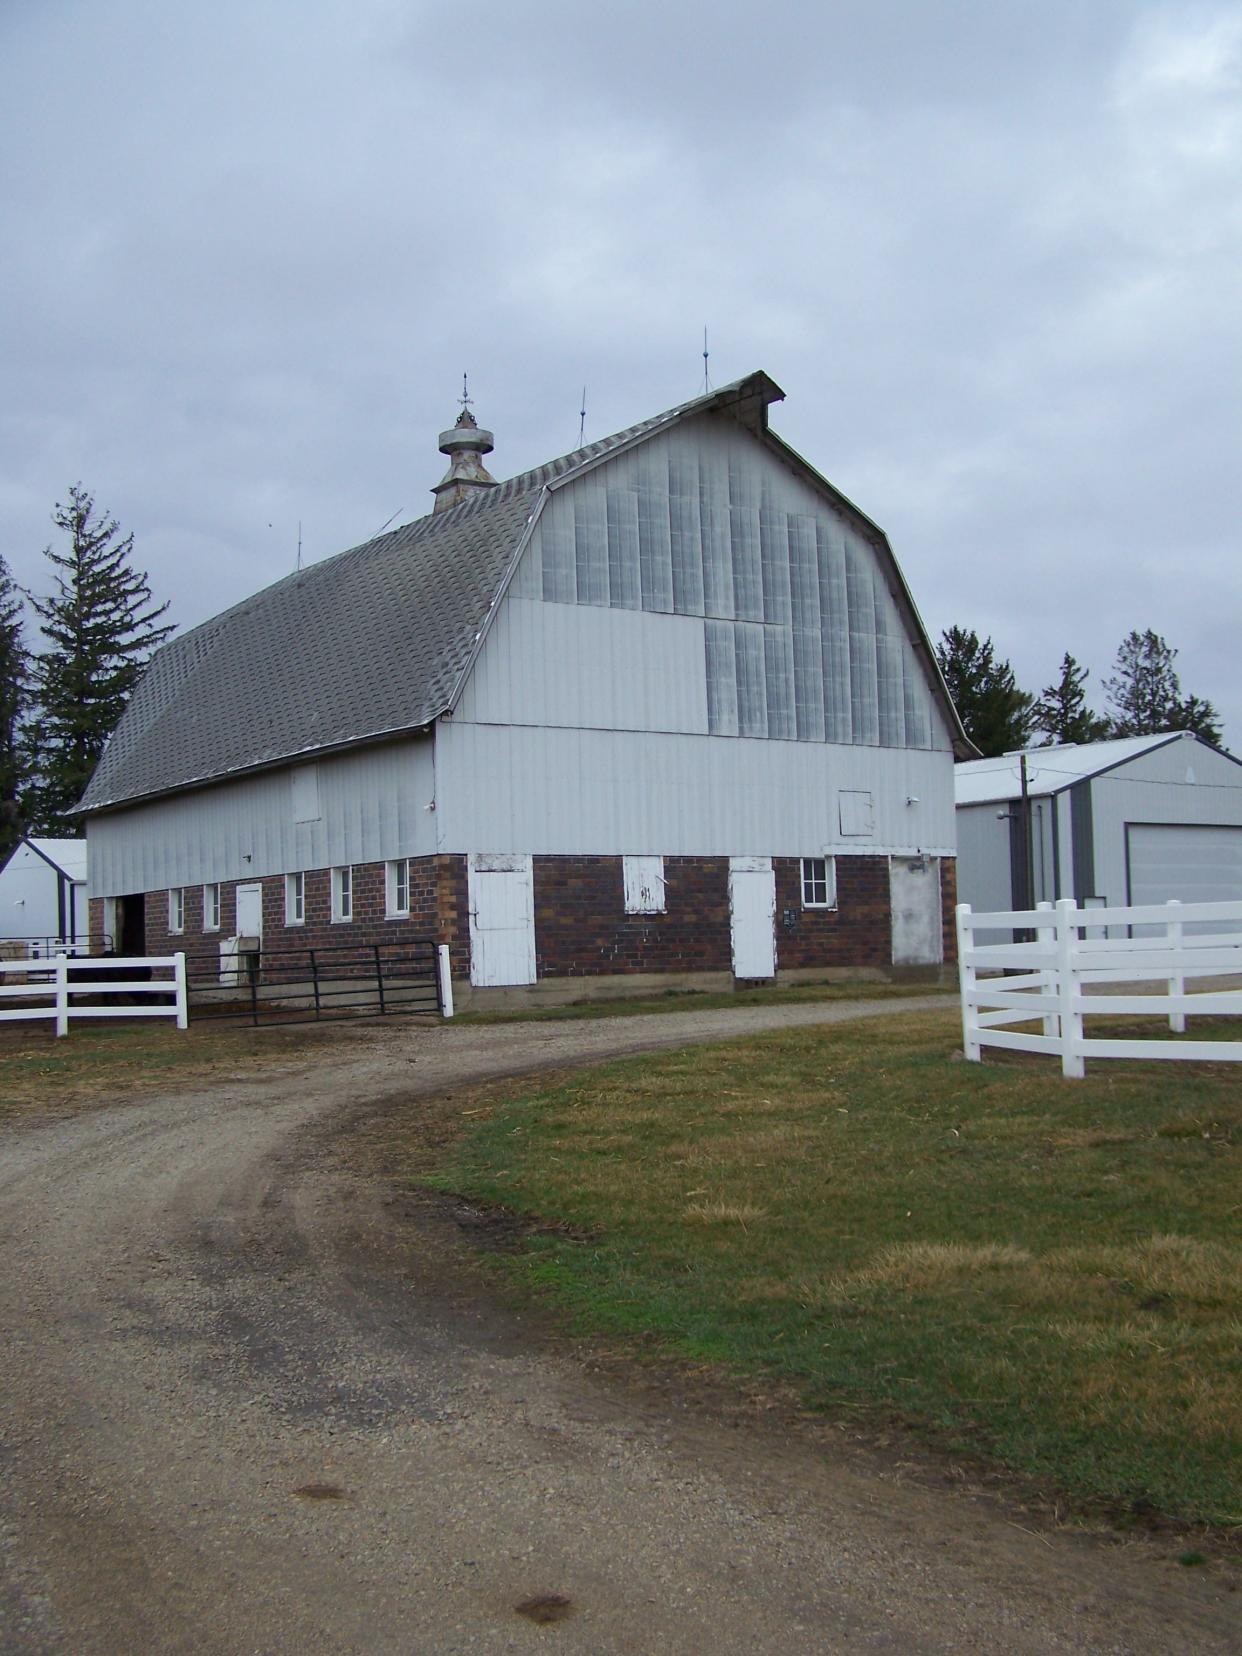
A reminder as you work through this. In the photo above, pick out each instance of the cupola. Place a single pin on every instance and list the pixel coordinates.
(465, 444)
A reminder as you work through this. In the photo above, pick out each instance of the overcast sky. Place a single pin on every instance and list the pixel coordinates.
(990, 250)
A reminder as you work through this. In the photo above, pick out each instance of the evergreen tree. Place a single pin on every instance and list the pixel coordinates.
(101, 625)
(1146, 694)
(14, 694)
(1061, 712)
(997, 716)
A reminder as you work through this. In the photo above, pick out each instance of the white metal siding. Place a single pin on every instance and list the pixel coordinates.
(611, 669)
(1154, 788)
(604, 792)
(798, 635)
(372, 807)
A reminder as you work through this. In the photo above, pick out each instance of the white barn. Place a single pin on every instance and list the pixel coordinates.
(1141, 819)
(43, 894)
(660, 710)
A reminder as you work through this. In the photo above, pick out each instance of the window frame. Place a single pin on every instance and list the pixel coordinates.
(342, 894)
(295, 898)
(808, 880)
(176, 910)
(213, 904)
(393, 909)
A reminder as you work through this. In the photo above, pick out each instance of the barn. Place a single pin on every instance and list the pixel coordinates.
(1141, 819)
(43, 899)
(660, 712)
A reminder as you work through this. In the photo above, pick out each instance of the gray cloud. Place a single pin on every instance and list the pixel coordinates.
(990, 252)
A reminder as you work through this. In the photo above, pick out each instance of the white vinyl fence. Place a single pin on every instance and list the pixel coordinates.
(75, 987)
(1073, 967)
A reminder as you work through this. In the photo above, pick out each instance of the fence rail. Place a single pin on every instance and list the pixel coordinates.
(75, 986)
(1061, 976)
(268, 986)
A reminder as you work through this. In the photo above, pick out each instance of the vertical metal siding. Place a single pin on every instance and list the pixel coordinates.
(574, 791)
(372, 803)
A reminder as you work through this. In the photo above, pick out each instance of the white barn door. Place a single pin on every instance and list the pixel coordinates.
(752, 916)
(914, 895)
(501, 892)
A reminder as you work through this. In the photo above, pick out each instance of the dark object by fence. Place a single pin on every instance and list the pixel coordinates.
(286, 986)
(83, 972)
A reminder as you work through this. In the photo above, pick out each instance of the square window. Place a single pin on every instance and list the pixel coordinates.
(644, 884)
(295, 899)
(819, 882)
(343, 893)
(176, 908)
(211, 907)
(397, 888)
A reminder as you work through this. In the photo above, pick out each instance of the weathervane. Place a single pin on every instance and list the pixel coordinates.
(465, 399)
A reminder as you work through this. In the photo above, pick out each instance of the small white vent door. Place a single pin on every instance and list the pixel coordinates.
(752, 916)
(914, 893)
(250, 910)
(502, 920)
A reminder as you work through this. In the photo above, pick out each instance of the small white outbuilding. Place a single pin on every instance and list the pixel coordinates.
(43, 894)
(1142, 819)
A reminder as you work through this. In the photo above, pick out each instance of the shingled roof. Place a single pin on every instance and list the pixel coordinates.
(368, 644)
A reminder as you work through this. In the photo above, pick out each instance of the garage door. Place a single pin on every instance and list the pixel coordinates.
(1192, 864)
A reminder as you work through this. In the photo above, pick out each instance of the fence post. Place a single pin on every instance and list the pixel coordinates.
(183, 1006)
(1177, 982)
(1047, 979)
(379, 979)
(966, 979)
(1072, 1064)
(62, 995)
(445, 979)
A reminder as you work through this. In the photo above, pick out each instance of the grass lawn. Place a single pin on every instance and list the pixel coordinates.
(1043, 1273)
(695, 1000)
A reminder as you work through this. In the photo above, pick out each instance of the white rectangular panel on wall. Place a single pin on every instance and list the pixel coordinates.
(914, 892)
(752, 916)
(644, 884)
(502, 920)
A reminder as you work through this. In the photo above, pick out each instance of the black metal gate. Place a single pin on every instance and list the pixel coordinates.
(286, 986)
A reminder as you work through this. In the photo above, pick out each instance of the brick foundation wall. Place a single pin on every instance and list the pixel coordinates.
(857, 932)
(582, 929)
(431, 915)
(948, 907)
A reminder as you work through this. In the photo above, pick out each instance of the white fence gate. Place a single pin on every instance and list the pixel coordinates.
(62, 988)
(1073, 968)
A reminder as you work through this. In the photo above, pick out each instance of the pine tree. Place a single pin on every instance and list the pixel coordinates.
(997, 716)
(1061, 712)
(1146, 693)
(14, 695)
(101, 626)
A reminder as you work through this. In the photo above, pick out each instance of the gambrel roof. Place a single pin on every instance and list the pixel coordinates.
(377, 641)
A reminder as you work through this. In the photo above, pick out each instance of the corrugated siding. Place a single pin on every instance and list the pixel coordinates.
(526, 788)
(1155, 788)
(800, 637)
(372, 803)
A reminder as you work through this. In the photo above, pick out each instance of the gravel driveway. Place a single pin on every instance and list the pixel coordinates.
(251, 1402)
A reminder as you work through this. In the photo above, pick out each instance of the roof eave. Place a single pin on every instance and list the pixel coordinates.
(347, 744)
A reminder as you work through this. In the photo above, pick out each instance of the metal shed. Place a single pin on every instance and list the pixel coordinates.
(1141, 819)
